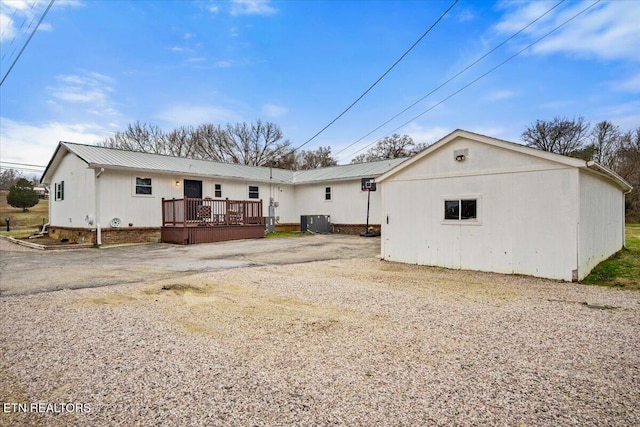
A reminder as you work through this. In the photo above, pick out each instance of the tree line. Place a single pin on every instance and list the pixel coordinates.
(603, 143)
(263, 144)
(258, 144)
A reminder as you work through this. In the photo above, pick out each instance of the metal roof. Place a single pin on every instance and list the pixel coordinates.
(123, 159)
(353, 171)
(111, 158)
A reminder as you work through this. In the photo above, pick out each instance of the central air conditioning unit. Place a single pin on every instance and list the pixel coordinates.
(320, 224)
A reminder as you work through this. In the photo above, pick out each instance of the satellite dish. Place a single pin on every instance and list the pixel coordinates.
(115, 222)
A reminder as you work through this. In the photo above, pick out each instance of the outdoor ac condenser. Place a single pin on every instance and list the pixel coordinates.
(320, 224)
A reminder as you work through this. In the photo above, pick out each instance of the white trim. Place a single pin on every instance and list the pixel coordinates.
(475, 221)
(134, 183)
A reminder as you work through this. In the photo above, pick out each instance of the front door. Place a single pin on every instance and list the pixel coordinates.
(192, 189)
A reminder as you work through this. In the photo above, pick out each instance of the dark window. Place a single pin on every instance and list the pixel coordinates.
(143, 186)
(327, 193)
(59, 190)
(459, 210)
(254, 192)
(218, 192)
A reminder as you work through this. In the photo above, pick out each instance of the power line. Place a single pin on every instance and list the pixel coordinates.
(22, 164)
(27, 42)
(485, 74)
(380, 78)
(453, 77)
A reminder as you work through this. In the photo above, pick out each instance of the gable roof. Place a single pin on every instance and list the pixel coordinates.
(111, 158)
(459, 133)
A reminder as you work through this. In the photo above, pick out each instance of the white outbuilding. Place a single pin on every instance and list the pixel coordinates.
(474, 202)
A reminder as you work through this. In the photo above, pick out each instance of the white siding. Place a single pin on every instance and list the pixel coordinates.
(527, 222)
(118, 198)
(601, 221)
(348, 204)
(79, 197)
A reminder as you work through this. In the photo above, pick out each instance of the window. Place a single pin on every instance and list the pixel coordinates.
(254, 192)
(218, 190)
(59, 190)
(460, 210)
(143, 186)
(327, 193)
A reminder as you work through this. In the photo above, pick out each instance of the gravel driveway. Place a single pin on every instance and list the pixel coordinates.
(345, 341)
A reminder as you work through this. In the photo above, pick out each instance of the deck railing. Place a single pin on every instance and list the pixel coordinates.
(189, 212)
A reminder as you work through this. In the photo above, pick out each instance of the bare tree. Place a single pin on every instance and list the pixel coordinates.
(605, 140)
(210, 142)
(8, 178)
(312, 159)
(181, 142)
(627, 165)
(258, 144)
(390, 147)
(139, 137)
(250, 144)
(560, 135)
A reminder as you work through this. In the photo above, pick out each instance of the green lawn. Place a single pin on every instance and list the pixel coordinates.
(622, 270)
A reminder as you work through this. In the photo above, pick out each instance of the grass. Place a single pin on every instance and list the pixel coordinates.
(22, 223)
(279, 234)
(622, 270)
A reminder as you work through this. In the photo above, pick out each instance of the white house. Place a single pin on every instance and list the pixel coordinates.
(120, 192)
(474, 202)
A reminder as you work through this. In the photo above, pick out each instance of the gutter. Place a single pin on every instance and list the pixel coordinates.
(609, 174)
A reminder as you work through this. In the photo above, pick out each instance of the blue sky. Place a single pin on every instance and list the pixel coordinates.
(95, 66)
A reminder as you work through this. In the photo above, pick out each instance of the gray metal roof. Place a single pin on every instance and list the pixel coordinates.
(111, 158)
(123, 159)
(352, 171)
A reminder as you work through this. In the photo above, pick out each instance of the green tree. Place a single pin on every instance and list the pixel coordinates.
(22, 195)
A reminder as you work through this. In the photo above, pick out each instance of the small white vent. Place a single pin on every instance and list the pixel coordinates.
(115, 222)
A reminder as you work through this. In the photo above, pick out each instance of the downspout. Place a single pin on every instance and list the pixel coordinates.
(97, 206)
(44, 227)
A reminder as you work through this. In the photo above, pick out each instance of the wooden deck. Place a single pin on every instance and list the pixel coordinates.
(189, 221)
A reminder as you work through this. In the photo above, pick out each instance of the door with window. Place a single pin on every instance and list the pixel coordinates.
(193, 190)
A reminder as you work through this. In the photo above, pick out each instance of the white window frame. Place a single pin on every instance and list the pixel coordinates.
(471, 221)
(216, 189)
(135, 186)
(59, 191)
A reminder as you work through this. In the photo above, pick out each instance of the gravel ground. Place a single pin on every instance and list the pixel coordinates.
(356, 342)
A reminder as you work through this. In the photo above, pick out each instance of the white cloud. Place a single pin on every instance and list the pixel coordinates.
(498, 95)
(35, 143)
(7, 28)
(88, 88)
(421, 134)
(630, 84)
(252, 7)
(213, 8)
(607, 31)
(465, 15)
(194, 115)
(45, 26)
(274, 111)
